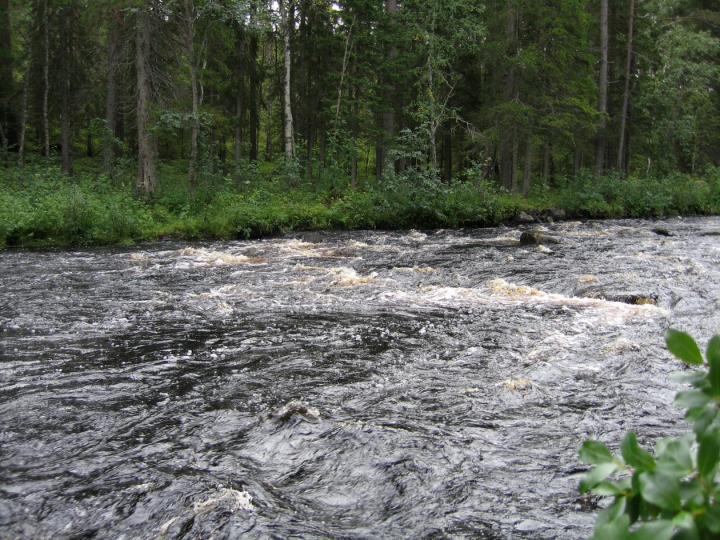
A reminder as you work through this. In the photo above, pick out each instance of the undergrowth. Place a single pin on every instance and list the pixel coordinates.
(39, 207)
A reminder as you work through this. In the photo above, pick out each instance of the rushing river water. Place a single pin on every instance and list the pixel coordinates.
(444, 381)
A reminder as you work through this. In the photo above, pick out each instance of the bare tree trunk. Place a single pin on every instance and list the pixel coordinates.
(7, 82)
(603, 87)
(66, 138)
(547, 156)
(23, 110)
(514, 162)
(527, 169)
(286, 13)
(447, 156)
(254, 106)
(577, 163)
(508, 135)
(355, 130)
(114, 45)
(190, 16)
(238, 127)
(146, 147)
(621, 164)
(46, 80)
(388, 115)
(346, 59)
(268, 132)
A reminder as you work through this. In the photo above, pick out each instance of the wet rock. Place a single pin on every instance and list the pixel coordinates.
(661, 231)
(542, 249)
(295, 408)
(557, 214)
(524, 217)
(534, 238)
(710, 233)
(624, 297)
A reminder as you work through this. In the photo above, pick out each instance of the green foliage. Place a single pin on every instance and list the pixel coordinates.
(675, 493)
(41, 207)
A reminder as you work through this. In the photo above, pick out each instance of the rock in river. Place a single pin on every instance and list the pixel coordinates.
(624, 297)
(295, 408)
(534, 238)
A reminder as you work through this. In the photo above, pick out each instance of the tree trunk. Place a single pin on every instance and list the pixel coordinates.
(24, 109)
(7, 83)
(508, 135)
(66, 138)
(621, 163)
(238, 127)
(114, 46)
(514, 162)
(286, 13)
(447, 156)
(46, 80)
(547, 157)
(527, 169)
(254, 105)
(355, 128)
(387, 116)
(195, 113)
(268, 132)
(603, 88)
(146, 147)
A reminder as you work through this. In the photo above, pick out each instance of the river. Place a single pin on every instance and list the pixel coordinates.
(439, 383)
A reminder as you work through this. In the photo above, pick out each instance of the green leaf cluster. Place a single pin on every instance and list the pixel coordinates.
(673, 493)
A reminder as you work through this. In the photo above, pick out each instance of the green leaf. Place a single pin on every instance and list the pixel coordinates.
(617, 529)
(612, 512)
(692, 494)
(683, 347)
(705, 419)
(661, 490)
(607, 489)
(713, 356)
(712, 519)
(674, 457)
(708, 456)
(656, 530)
(688, 528)
(595, 453)
(635, 456)
(692, 399)
(696, 378)
(597, 475)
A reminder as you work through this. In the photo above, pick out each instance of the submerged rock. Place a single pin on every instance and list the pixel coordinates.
(534, 238)
(295, 408)
(661, 231)
(624, 297)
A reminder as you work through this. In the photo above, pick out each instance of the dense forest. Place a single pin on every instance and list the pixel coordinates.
(514, 95)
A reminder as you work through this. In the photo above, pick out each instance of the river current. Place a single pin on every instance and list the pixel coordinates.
(338, 385)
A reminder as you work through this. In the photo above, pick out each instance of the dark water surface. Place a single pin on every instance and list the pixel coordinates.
(454, 374)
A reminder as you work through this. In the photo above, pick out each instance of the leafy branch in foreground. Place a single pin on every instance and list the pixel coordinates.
(674, 493)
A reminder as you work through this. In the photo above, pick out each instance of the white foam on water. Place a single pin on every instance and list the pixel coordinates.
(348, 277)
(227, 499)
(204, 257)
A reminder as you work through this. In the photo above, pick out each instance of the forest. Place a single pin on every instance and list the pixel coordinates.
(136, 119)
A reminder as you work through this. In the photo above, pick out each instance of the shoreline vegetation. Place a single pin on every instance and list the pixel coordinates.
(42, 208)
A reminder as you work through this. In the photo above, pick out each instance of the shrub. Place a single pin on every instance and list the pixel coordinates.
(675, 493)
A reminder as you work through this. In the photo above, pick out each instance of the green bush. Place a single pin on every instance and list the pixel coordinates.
(675, 493)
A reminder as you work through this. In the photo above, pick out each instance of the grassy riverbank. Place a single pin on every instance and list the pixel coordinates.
(41, 208)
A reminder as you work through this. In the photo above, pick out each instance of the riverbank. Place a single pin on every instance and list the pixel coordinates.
(41, 208)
